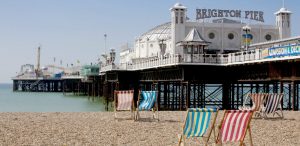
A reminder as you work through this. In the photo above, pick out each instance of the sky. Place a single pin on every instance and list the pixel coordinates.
(71, 30)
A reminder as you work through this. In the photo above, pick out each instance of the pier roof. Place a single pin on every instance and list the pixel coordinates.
(193, 38)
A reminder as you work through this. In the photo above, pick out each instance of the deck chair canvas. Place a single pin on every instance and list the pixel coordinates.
(273, 105)
(197, 123)
(147, 101)
(234, 126)
(258, 102)
(123, 101)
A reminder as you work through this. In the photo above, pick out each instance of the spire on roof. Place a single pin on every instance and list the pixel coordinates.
(283, 9)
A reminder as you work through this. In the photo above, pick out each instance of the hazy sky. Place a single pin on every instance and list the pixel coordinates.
(72, 30)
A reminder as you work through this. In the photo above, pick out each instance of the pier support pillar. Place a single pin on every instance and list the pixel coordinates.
(226, 96)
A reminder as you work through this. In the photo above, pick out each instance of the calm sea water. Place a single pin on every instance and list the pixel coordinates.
(46, 102)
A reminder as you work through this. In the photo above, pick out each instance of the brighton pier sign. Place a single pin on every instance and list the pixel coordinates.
(210, 13)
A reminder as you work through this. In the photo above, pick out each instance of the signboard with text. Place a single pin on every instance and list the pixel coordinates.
(282, 51)
(211, 13)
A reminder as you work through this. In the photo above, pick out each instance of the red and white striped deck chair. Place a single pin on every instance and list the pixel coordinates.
(258, 100)
(273, 105)
(234, 126)
(124, 101)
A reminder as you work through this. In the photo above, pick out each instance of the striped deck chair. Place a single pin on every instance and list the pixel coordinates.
(273, 104)
(124, 101)
(234, 126)
(257, 100)
(197, 122)
(147, 101)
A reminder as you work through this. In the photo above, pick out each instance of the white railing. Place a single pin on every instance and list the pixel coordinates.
(155, 62)
(244, 56)
(105, 68)
(218, 59)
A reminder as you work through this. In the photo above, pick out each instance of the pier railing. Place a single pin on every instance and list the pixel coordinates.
(155, 62)
(201, 59)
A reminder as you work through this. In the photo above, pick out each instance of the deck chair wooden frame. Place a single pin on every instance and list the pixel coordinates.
(272, 105)
(154, 108)
(240, 135)
(182, 137)
(123, 103)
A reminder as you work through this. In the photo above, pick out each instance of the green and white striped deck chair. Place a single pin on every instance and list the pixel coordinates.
(197, 123)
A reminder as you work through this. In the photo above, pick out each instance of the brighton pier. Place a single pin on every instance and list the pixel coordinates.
(191, 64)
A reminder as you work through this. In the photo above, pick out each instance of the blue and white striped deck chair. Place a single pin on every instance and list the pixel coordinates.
(199, 123)
(147, 101)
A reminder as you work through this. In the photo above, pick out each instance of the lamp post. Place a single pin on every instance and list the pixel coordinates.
(246, 29)
(162, 46)
(105, 36)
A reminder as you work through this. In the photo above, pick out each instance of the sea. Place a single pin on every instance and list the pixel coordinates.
(48, 102)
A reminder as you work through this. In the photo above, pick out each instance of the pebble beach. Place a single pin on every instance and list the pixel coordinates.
(100, 128)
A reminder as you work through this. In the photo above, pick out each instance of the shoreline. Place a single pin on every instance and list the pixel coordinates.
(100, 128)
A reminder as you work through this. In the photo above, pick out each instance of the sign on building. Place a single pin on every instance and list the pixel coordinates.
(211, 13)
(282, 51)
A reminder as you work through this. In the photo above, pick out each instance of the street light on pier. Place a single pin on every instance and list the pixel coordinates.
(105, 36)
(162, 46)
(247, 36)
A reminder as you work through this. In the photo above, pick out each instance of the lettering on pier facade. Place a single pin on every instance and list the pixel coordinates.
(211, 13)
(282, 51)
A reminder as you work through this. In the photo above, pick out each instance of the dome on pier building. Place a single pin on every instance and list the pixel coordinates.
(159, 32)
(153, 42)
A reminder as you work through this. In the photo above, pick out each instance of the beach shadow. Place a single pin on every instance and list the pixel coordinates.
(279, 118)
(123, 119)
(171, 121)
(147, 120)
(274, 119)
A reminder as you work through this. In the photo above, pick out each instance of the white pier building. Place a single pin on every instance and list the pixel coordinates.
(212, 39)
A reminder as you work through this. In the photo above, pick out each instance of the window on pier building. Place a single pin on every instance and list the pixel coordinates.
(196, 50)
(211, 35)
(230, 36)
(268, 37)
(176, 17)
(181, 17)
